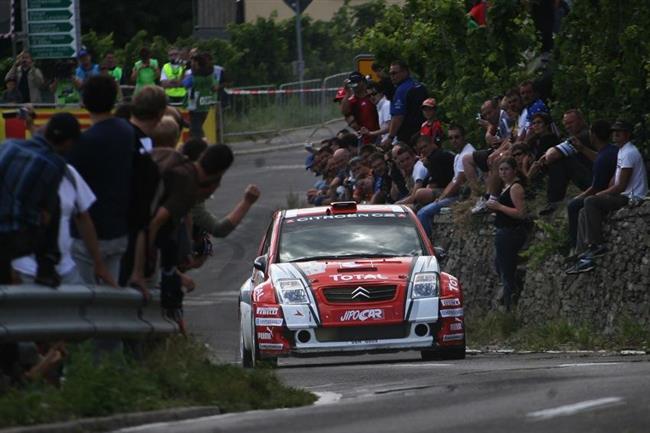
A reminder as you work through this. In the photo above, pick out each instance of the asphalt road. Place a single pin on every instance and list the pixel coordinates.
(398, 392)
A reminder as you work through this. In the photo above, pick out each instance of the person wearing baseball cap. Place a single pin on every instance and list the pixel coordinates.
(86, 68)
(359, 109)
(431, 127)
(629, 186)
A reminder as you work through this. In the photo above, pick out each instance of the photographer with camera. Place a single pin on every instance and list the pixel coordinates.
(29, 79)
(145, 71)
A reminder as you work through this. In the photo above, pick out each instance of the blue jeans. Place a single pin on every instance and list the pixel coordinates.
(426, 214)
(508, 241)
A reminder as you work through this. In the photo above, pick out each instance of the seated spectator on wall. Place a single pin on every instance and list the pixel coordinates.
(413, 171)
(532, 104)
(497, 137)
(451, 193)
(510, 236)
(439, 164)
(604, 170)
(382, 182)
(570, 160)
(630, 184)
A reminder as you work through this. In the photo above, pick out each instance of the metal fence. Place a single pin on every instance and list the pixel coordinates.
(266, 110)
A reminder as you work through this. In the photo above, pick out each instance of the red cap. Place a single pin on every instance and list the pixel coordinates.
(429, 102)
(340, 94)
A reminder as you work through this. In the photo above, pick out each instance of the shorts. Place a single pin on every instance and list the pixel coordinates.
(480, 158)
(566, 148)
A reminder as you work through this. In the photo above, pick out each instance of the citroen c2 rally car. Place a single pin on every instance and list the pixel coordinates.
(349, 278)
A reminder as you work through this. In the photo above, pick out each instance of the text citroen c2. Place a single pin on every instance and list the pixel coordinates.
(349, 278)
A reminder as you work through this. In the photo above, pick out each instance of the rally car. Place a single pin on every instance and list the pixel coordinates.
(348, 278)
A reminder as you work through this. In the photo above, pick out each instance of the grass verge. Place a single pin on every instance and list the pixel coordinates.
(177, 373)
(500, 329)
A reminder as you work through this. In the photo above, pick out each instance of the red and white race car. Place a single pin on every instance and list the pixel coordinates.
(349, 278)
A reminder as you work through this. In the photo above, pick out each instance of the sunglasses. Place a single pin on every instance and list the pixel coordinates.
(538, 122)
(516, 154)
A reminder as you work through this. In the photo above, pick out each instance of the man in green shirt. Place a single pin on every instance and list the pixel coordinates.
(145, 71)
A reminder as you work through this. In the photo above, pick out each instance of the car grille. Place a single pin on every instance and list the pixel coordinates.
(361, 333)
(359, 294)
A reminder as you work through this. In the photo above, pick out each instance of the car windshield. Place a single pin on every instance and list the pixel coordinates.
(350, 235)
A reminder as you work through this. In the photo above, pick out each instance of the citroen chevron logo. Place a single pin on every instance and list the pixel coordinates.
(360, 292)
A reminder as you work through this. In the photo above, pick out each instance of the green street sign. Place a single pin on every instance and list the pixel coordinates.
(38, 40)
(53, 15)
(49, 4)
(52, 52)
(49, 28)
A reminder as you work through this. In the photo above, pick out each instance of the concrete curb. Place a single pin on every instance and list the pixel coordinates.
(119, 421)
(267, 149)
(557, 352)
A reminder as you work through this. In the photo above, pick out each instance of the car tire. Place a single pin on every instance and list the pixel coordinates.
(443, 353)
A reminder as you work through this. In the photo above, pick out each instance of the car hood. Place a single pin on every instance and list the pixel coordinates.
(359, 291)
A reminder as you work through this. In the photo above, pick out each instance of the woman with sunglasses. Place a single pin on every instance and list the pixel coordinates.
(510, 209)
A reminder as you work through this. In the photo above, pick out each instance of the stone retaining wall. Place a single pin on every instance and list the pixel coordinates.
(619, 286)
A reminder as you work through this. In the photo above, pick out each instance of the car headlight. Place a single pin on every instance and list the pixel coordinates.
(292, 292)
(425, 285)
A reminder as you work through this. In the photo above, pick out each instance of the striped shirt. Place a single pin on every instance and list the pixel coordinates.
(30, 174)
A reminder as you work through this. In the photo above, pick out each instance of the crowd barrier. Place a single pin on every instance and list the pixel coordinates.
(74, 312)
(12, 126)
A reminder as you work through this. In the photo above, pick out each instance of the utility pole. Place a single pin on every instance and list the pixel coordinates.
(301, 62)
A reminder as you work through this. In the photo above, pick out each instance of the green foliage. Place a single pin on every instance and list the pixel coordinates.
(554, 238)
(498, 329)
(177, 373)
(603, 63)
(460, 66)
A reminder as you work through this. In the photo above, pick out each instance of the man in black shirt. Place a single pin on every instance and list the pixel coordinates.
(440, 165)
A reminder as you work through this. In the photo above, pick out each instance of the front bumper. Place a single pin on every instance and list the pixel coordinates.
(410, 341)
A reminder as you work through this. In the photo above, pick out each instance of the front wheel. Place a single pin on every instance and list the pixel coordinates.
(444, 353)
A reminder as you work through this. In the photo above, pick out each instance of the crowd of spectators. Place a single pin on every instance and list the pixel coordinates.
(403, 153)
(189, 77)
(121, 204)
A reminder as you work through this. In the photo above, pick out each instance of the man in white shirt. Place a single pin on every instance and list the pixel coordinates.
(451, 193)
(414, 172)
(630, 182)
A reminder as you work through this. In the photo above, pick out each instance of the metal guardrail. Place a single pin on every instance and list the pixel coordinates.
(74, 312)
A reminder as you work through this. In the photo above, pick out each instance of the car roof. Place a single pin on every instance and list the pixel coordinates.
(324, 210)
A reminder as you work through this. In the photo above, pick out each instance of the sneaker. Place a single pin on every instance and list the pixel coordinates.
(594, 251)
(480, 206)
(583, 265)
(548, 209)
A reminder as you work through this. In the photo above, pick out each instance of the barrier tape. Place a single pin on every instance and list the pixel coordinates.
(278, 91)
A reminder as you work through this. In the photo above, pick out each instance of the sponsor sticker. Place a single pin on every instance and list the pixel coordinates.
(267, 335)
(362, 315)
(363, 342)
(453, 337)
(359, 277)
(456, 327)
(344, 216)
(267, 311)
(258, 292)
(453, 284)
(453, 302)
(311, 268)
(452, 312)
(263, 321)
(270, 346)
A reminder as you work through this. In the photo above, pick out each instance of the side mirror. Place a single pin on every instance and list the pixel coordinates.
(260, 263)
(441, 254)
